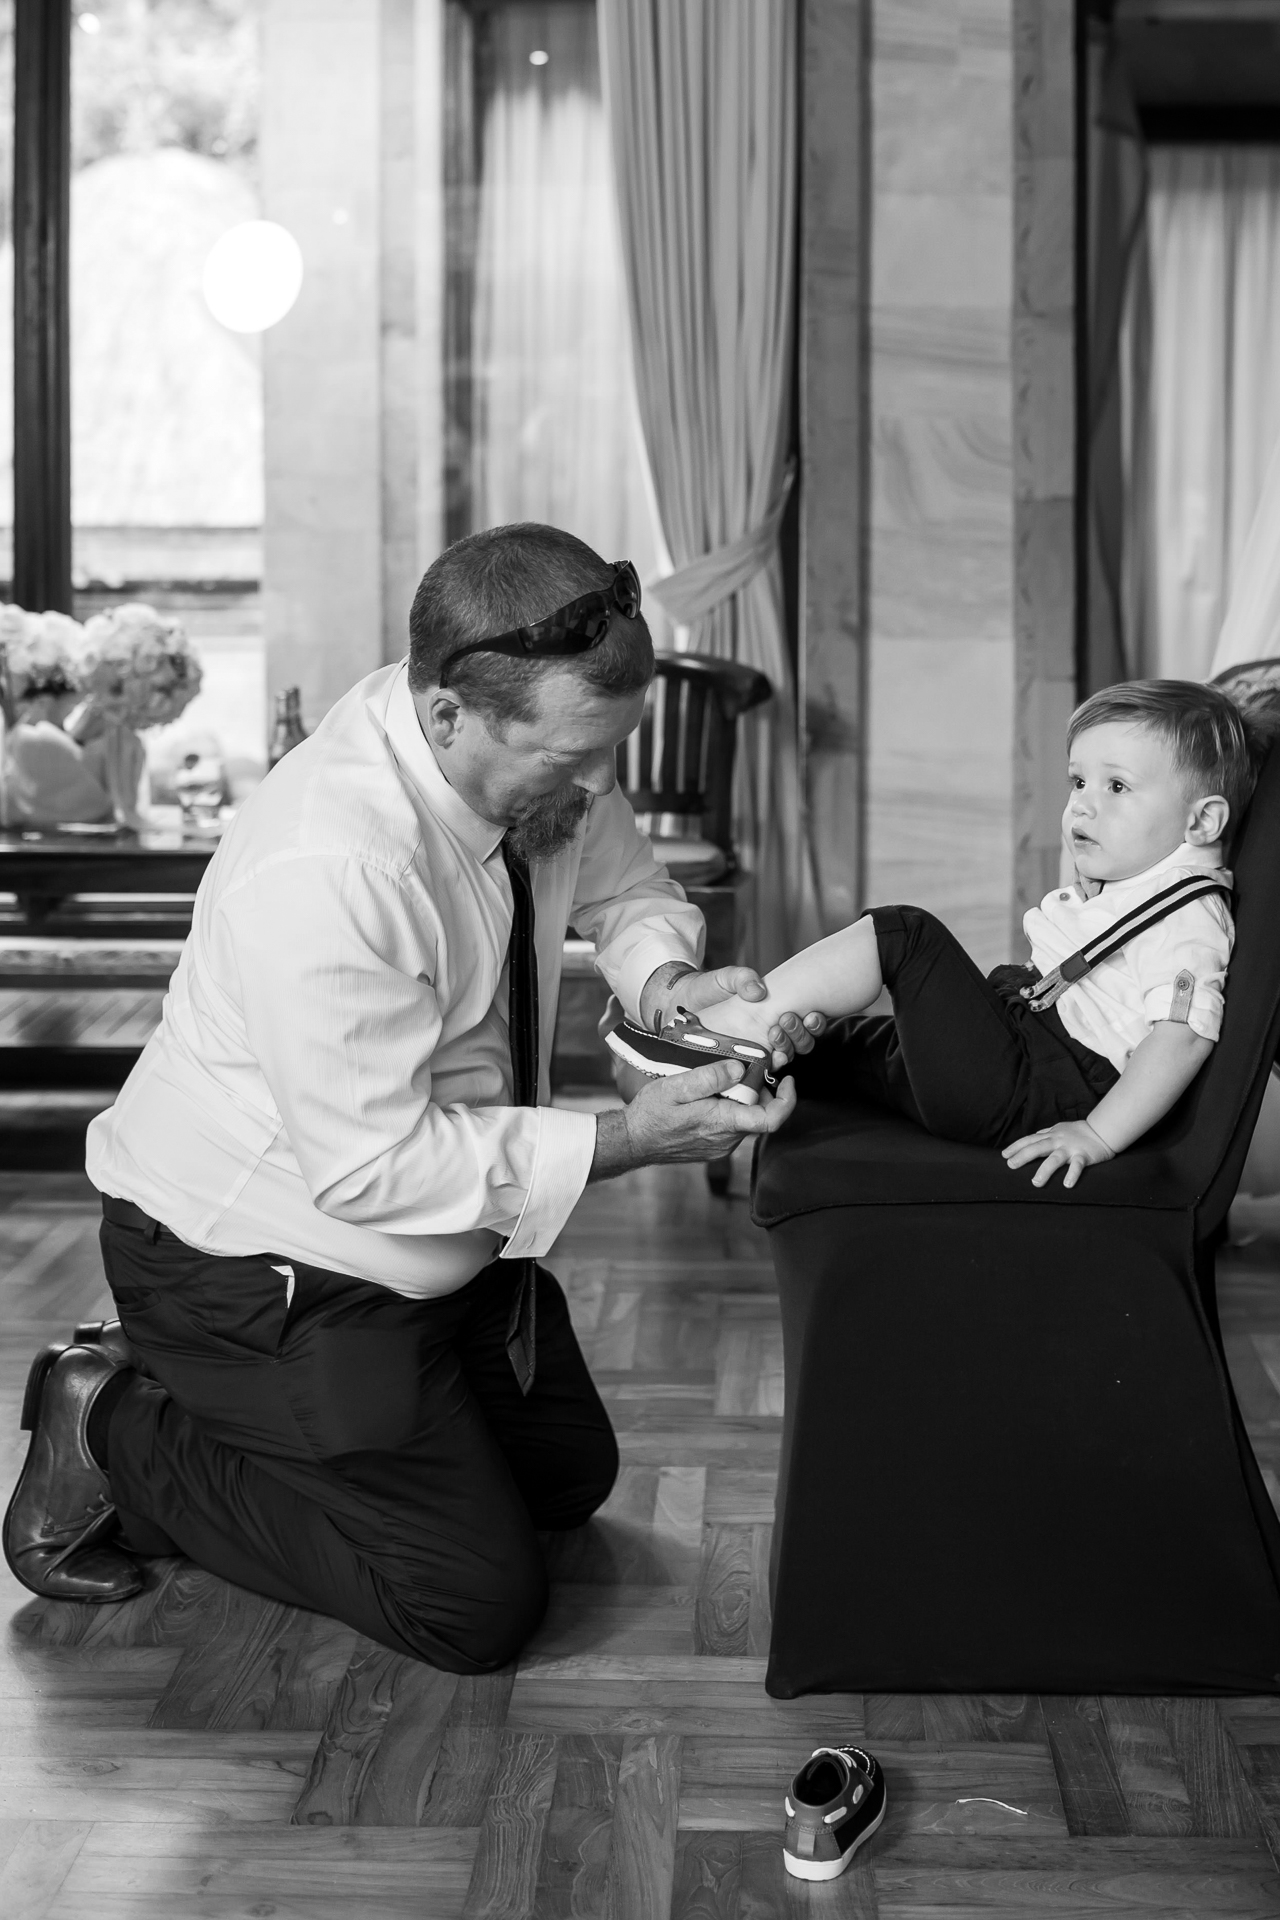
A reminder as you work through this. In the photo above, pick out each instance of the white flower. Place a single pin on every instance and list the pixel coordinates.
(137, 666)
(41, 652)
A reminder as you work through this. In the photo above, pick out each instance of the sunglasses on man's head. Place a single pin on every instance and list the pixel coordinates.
(574, 628)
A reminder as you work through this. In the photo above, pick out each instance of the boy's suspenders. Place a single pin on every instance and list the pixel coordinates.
(1042, 993)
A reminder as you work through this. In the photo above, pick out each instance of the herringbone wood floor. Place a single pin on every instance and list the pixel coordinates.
(203, 1752)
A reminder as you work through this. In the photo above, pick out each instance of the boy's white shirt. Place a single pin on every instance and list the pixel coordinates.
(1116, 1006)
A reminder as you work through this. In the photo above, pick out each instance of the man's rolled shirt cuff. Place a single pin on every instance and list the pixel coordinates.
(629, 979)
(561, 1163)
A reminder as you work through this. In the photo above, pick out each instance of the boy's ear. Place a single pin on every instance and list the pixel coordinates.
(1209, 820)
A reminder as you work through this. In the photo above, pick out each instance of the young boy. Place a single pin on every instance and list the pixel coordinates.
(1159, 771)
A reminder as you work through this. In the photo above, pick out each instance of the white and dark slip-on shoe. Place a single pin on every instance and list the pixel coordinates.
(837, 1800)
(683, 1044)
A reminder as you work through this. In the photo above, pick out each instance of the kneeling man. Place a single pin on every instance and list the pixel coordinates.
(340, 1377)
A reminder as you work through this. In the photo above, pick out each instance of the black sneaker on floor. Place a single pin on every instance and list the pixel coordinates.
(837, 1800)
(684, 1044)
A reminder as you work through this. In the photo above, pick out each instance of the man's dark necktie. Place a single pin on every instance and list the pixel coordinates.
(522, 1028)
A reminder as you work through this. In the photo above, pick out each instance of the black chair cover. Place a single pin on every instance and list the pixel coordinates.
(1012, 1458)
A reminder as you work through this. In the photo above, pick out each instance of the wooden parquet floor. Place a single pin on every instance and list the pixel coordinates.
(200, 1751)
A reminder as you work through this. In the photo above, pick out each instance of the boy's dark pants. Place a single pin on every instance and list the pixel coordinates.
(961, 1055)
(358, 1453)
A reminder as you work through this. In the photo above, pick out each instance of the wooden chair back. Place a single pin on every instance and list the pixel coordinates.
(678, 764)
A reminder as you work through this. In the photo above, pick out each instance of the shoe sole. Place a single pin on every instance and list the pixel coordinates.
(666, 1070)
(832, 1869)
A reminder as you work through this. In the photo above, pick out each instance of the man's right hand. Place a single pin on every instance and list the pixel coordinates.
(683, 1118)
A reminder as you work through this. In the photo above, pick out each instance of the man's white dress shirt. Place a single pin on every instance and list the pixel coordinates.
(331, 1079)
(1116, 1006)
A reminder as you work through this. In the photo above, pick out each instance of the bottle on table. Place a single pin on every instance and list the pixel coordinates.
(288, 731)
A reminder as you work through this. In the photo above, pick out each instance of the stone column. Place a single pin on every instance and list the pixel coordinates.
(941, 592)
(1044, 433)
(834, 258)
(350, 166)
(412, 306)
(937, 426)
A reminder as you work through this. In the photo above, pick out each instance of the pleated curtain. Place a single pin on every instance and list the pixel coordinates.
(701, 102)
(1205, 414)
(555, 433)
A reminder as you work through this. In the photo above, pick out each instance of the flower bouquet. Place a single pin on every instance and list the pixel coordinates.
(43, 778)
(41, 653)
(136, 669)
(74, 699)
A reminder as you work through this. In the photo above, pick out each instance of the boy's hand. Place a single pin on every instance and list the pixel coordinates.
(1072, 1144)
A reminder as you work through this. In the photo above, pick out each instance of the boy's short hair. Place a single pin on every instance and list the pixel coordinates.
(506, 577)
(1208, 738)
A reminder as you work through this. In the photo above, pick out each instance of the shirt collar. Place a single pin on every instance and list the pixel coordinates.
(413, 750)
(1208, 859)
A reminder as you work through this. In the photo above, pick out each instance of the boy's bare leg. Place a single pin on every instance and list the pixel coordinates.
(835, 976)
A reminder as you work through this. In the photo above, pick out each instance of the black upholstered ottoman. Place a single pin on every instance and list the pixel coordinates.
(1012, 1458)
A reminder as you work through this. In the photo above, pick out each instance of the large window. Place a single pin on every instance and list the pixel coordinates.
(6, 298)
(166, 401)
(458, 354)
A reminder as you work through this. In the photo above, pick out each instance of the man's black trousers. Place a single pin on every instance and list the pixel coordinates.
(347, 1449)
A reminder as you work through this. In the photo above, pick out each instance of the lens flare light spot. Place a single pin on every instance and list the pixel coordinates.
(252, 276)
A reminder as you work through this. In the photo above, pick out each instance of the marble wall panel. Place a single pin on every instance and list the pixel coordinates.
(941, 584)
(940, 826)
(942, 116)
(931, 360)
(945, 472)
(943, 250)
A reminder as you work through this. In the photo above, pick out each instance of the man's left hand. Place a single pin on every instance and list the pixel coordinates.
(667, 988)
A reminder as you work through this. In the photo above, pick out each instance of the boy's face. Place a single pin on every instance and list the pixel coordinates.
(1127, 807)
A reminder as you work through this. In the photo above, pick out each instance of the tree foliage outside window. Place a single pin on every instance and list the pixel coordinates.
(167, 73)
(151, 73)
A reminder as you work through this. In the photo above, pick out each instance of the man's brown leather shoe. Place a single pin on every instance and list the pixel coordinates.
(61, 1518)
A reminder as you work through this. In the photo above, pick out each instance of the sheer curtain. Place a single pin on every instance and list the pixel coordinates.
(702, 109)
(556, 437)
(1205, 419)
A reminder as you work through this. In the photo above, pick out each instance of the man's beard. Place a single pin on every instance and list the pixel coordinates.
(545, 825)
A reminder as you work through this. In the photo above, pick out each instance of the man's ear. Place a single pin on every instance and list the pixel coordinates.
(1209, 820)
(441, 714)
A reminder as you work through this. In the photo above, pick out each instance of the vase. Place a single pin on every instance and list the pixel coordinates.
(45, 780)
(118, 760)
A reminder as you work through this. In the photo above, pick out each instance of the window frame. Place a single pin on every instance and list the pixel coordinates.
(41, 306)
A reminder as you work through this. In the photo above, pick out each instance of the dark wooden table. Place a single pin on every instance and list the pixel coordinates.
(87, 945)
(45, 870)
